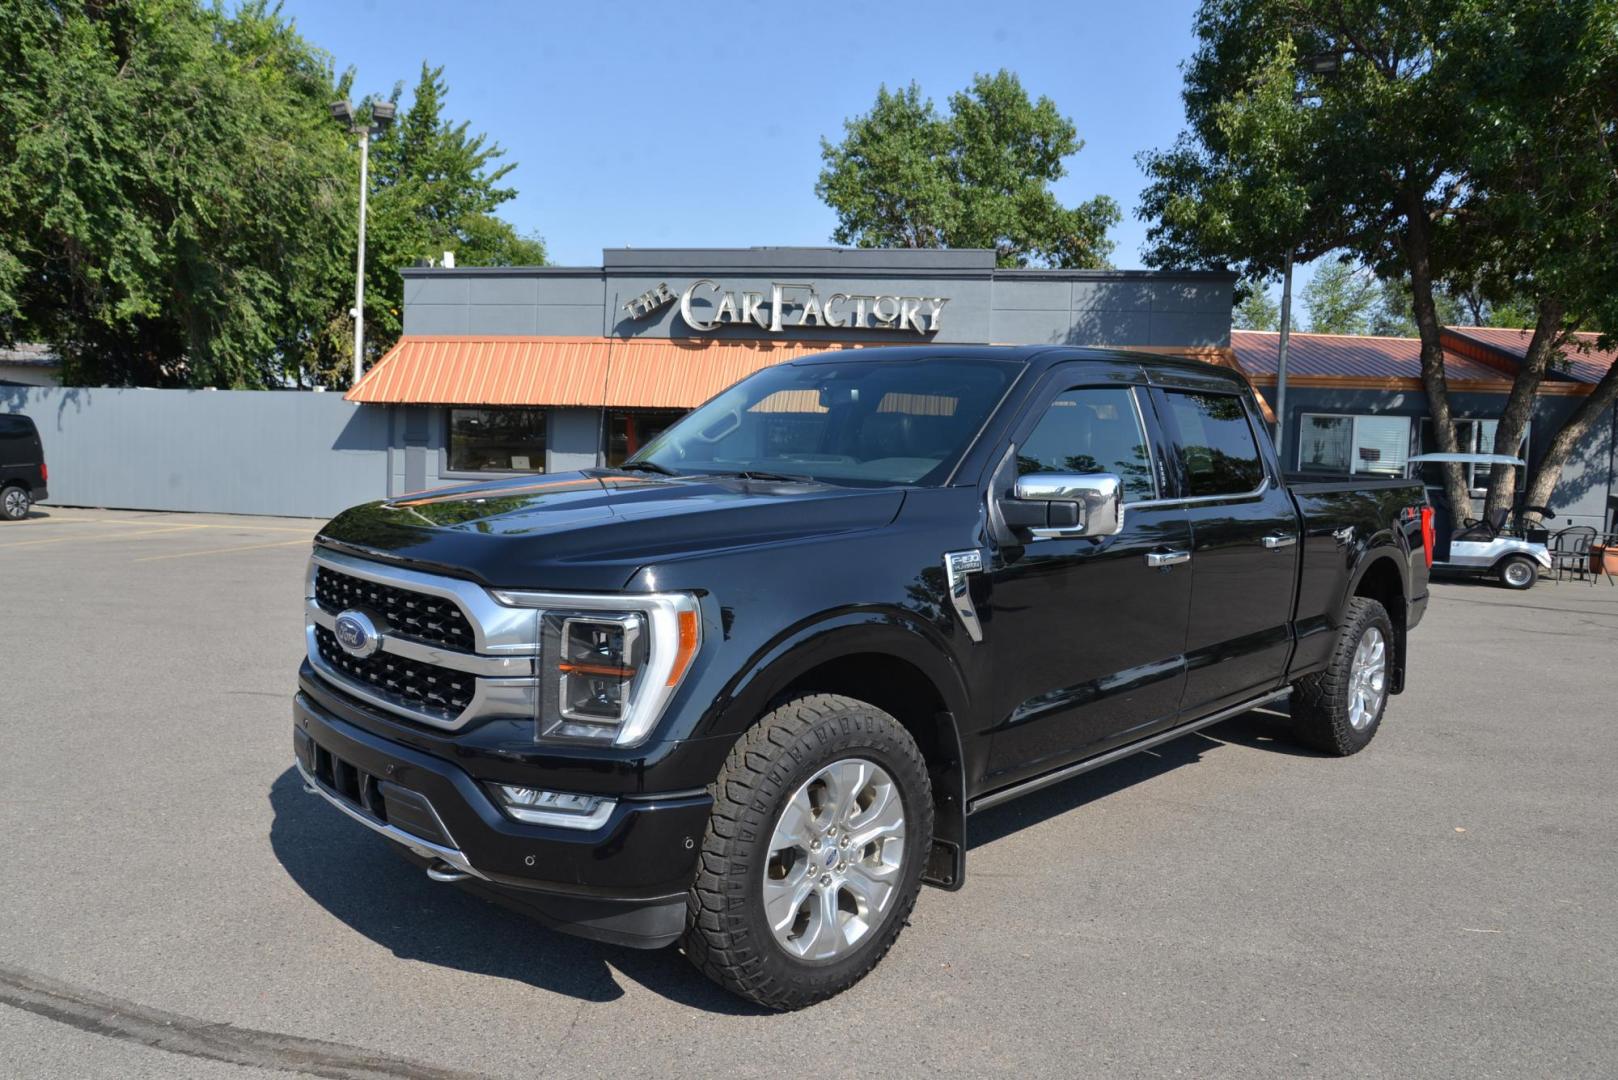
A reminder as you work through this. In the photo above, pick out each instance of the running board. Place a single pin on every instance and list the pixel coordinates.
(995, 798)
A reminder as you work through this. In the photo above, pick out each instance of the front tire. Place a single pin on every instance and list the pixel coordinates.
(15, 502)
(1519, 572)
(813, 854)
(1337, 711)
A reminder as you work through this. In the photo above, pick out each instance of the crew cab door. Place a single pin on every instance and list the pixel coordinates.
(1244, 547)
(1087, 634)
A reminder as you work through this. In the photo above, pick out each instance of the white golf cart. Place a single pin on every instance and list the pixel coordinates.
(1479, 548)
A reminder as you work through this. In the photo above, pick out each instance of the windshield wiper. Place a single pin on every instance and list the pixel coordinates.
(760, 474)
(647, 466)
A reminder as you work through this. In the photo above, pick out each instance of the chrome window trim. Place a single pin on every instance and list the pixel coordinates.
(451, 855)
(410, 649)
(511, 698)
(496, 628)
(1151, 451)
(1195, 500)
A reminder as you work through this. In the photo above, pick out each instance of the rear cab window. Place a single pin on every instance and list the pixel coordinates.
(1218, 448)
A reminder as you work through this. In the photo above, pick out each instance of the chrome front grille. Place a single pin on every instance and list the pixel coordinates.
(445, 652)
(415, 685)
(433, 619)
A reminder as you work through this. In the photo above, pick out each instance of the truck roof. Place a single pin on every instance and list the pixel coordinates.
(1037, 357)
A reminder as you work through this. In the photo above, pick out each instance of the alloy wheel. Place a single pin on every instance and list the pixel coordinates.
(834, 860)
(1367, 679)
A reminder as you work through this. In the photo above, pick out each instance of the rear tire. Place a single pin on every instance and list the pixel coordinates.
(1337, 711)
(798, 895)
(1518, 572)
(15, 502)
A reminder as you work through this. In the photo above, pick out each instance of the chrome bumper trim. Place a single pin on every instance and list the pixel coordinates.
(424, 848)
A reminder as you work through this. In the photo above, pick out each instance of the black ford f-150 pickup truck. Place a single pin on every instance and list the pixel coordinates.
(744, 691)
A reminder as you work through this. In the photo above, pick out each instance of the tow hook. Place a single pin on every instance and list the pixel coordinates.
(439, 870)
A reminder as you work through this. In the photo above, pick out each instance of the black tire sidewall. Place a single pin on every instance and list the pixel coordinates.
(1377, 616)
(846, 745)
(1320, 707)
(850, 730)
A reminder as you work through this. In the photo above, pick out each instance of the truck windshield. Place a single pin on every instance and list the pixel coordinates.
(859, 422)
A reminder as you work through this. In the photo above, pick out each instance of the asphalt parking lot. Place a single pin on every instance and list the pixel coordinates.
(172, 903)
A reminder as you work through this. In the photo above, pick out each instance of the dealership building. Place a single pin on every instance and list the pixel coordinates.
(504, 371)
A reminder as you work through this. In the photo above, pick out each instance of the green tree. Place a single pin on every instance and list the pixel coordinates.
(906, 176)
(1452, 136)
(178, 209)
(1256, 311)
(167, 189)
(1341, 299)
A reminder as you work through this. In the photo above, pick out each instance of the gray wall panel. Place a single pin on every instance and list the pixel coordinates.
(1205, 296)
(1036, 295)
(435, 319)
(1013, 327)
(292, 454)
(1188, 328)
(1103, 327)
(440, 289)
(502, 319)
(570, 320)
(1112, 296)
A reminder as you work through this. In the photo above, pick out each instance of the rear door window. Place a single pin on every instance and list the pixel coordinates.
(1091, 430)
(1217, 444)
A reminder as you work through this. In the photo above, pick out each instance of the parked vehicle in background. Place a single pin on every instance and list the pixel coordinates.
(743, 691)
(22, 467)
(1500, 548)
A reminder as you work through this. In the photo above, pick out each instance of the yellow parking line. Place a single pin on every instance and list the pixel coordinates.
(99, 539)
(224, 551)
(194, 525)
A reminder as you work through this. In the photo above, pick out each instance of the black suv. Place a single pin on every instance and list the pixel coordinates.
(22, 467)
(744, 691)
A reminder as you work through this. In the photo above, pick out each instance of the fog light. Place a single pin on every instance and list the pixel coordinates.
(566, 810)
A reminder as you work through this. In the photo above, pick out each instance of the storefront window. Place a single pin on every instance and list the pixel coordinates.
(627, 432)
(497, 440)
(1379, 445)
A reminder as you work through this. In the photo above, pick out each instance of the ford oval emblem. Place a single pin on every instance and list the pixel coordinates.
(356, 633)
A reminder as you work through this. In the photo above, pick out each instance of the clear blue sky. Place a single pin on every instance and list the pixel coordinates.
(662, 125)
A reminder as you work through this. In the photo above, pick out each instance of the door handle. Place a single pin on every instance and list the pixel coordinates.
(1166, 559)
(1277, 541)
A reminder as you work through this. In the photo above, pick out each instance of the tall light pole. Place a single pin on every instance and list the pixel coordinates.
(381, 117)
(1281, 363)
(1322, 65)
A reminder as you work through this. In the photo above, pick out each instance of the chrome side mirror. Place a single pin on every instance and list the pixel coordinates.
(1076, 504)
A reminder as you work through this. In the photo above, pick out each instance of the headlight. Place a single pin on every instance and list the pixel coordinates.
(609, 665)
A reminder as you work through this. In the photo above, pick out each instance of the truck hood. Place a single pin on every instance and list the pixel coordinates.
(591, 531)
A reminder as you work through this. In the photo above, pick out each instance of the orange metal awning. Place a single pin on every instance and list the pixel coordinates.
(646, 373)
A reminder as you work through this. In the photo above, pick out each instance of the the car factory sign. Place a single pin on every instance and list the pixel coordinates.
(707, 305)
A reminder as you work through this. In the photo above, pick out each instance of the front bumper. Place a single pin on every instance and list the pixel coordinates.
(624, 882)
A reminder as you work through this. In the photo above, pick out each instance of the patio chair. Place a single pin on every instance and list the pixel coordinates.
(1570, 550)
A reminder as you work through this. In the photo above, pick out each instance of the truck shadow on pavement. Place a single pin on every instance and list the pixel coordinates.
(354, 875)
(1262, 729)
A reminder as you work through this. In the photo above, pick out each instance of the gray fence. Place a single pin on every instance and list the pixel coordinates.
(239, 452)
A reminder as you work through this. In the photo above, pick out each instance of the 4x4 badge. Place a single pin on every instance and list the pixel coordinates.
(957, 565)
